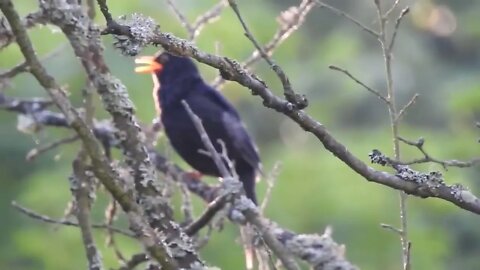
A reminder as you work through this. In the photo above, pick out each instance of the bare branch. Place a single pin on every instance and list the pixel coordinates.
(299, 101)
(394, 123)
(391, 228)
(37, 151)
(6, 34)
(348, 17)
(369, 89)
(215, 206)
(419, 144)
(104, 132)
(46, 219)
(112, 26)
(110, 215)
(206, 141)
(134, 261)
(187, 207)
(289, 21)
(181, 17)
(397, 25)
(208, 17)
(102, 168)
(81, 185)
(232, 70)
(405, 108)
(392, 8)
(23, 67)
(270, 179)
(115, 98)
(247, 207)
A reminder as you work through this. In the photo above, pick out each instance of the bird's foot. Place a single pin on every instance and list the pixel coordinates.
(194, 174)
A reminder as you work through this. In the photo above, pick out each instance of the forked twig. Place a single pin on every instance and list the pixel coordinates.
(419, 144)
(299, 101)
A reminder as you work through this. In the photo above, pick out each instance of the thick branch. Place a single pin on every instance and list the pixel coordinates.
(101, 166)
(84, 38)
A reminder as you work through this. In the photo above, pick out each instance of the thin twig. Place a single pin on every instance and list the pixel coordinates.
(299, 101)
(206, 141)
(194, 29)
(37, 151)
(286, 28)
(81, 186)
(134, 261)
(419, 144)
(392, 8)
(405, 108)
(249, 209)
(350, 18)
(368, 88)
(47, 219)
(23, 67)
(206, 216)
(393, 113)
(181, 17)
(29, 21)
(270, 179)
(208, 17)
(110, 215)
(397, 25)
(235, 72)
(187, 206)
(391, 228)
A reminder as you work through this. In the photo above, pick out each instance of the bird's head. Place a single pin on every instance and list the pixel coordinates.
(166, 67)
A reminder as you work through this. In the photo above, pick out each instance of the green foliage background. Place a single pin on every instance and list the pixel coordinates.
(314, 189)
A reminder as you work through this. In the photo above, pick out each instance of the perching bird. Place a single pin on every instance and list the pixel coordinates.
(177, 78)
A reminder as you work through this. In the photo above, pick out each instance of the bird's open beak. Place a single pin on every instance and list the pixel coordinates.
(152, 66)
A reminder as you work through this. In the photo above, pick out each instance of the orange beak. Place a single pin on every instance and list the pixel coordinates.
(152, 66)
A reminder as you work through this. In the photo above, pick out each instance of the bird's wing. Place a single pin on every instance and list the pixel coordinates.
(240, 139)
(234, 127)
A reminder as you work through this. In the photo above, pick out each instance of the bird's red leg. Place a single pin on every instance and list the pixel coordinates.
(194, 174)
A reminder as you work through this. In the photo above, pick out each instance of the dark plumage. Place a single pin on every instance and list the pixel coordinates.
(179, 80)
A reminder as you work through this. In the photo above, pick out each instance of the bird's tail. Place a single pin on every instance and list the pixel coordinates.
(248, 179)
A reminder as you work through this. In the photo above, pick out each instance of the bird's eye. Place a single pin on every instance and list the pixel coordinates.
(163, 58)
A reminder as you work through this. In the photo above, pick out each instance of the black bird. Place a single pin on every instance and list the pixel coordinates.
(177, 78)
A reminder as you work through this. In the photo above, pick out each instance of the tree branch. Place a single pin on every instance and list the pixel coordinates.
(47, 219)
(81, 185)
(419, 144)
(102, 168)
(299, 101)
(289, 21)
(232, 70)
(246, 206)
